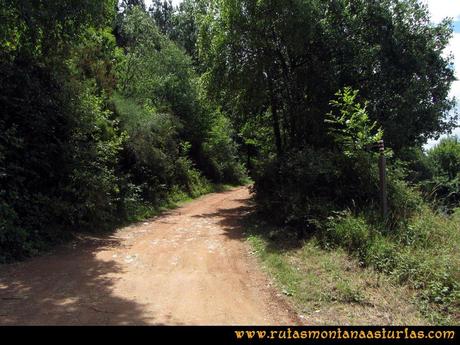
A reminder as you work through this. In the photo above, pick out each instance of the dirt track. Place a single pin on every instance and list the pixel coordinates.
(190, 266)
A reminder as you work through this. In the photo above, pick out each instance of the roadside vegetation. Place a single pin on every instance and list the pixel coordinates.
(330, 286)
(102, 120)
(111, 110)
(349, 271)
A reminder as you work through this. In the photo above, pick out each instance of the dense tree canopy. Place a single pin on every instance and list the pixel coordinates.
(293, 56)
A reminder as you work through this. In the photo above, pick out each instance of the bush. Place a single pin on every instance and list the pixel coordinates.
(351, 233)
(444, 163)
(403, 200)
(152, 157)
(95, 146)
(382, 254)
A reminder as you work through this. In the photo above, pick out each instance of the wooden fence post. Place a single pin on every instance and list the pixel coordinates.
(383, 181)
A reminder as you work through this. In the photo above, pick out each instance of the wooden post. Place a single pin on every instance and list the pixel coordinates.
(383, 182)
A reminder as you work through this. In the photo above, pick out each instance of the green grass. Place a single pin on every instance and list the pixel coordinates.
(330, 286)
(421, 254)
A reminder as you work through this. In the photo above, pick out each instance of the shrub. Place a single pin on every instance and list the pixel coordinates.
(411, 254)
(444, 163)
(403, 200)
(350, 232)
(382, 254)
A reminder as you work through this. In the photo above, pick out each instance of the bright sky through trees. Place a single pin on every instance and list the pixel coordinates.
(439, 10)
(175, 2)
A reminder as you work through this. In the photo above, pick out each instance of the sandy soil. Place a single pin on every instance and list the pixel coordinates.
(190, 266)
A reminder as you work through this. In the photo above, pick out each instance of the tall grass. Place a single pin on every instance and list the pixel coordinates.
(422, 253)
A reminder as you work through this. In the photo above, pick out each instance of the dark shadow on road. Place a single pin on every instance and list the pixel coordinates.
(244, 220)
(69, 287)
(230, 219)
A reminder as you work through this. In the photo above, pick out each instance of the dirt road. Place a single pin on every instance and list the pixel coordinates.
(190, 266)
